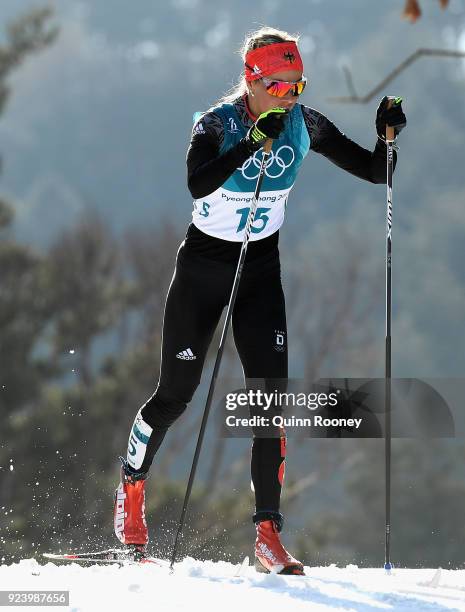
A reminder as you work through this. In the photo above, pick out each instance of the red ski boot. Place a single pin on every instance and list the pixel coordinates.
(270, 554)
(129, 510)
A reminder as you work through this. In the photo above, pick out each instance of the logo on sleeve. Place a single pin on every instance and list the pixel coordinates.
(198, 129)
(233, 129)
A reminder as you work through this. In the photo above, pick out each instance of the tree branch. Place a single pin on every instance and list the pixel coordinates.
(354, 97)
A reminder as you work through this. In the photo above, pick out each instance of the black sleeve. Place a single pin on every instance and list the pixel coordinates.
(328, 140)
(206, 169)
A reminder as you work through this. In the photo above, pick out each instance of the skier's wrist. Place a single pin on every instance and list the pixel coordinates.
(249, 145)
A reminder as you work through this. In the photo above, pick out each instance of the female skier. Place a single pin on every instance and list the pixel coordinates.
(223, 162)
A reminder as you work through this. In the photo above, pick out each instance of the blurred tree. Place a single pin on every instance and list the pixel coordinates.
(332, 301)
(6, 217)
(89, 283)
(23, 316)
(23, 308)
(22, 301)
(26, 35)
(86, 289)
(428, 492)
(149, 269)
(23, 304)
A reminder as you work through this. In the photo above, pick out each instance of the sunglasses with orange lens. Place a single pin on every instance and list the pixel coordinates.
(282, 88)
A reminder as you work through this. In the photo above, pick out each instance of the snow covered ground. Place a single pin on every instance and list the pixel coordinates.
(205, 585)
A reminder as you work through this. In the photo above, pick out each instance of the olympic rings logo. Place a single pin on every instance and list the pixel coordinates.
(275, 166)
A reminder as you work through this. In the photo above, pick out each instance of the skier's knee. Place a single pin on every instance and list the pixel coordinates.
(162, 409)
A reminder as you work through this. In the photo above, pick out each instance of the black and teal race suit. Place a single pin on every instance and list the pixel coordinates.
(222, 173)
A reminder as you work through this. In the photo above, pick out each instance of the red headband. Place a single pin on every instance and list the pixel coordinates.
(272, 58)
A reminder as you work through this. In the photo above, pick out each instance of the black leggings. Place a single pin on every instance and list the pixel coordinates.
(199, 291)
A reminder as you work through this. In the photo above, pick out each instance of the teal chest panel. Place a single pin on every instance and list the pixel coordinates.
(287, 154)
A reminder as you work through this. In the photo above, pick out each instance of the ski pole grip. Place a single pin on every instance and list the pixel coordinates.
(390, 136)
(268, 144)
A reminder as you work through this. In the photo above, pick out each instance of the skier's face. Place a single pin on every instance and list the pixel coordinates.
(261, 101)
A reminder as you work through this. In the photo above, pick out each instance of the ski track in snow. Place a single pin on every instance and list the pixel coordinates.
(209, 585)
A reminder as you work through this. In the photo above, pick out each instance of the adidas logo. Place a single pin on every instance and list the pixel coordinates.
(199, 129)
(187, 354)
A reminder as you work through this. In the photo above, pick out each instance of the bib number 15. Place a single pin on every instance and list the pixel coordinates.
(260, 217)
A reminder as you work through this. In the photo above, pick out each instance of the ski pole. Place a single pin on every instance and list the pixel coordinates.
(232, 299)
(390, 136)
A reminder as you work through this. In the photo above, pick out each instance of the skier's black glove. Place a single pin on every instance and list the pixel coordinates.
(393, 117)
(269, 124)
